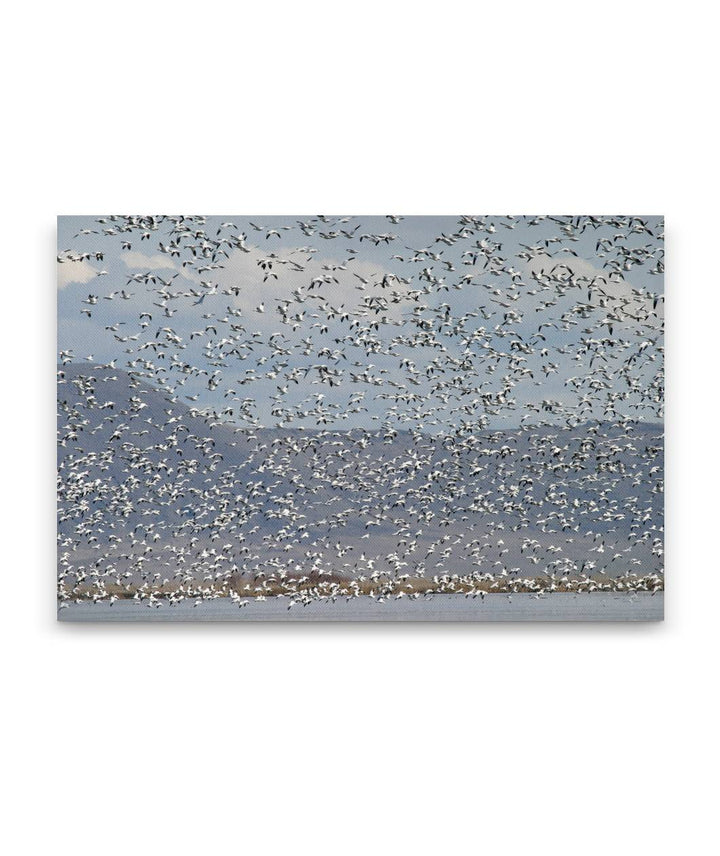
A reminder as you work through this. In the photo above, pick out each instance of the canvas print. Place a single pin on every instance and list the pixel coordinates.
(360, 418)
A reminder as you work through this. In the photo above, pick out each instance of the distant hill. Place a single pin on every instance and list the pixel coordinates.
(141, 469)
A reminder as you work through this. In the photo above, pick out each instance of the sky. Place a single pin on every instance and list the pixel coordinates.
(402, 322)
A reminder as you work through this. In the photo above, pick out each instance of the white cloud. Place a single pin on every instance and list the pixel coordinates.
(573, 264)
(160, 261)
(344, 287)
(74, 271)
(617, 291)
(140, 261)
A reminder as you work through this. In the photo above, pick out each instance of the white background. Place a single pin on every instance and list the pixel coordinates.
(359, 739)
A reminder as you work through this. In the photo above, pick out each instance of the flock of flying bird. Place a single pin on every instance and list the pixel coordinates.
(326, 408)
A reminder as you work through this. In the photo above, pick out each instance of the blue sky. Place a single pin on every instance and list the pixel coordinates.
(493, 315)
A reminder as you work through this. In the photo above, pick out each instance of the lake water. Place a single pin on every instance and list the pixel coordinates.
(594, 606)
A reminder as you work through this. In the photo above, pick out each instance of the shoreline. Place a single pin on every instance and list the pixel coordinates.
(557, 606)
